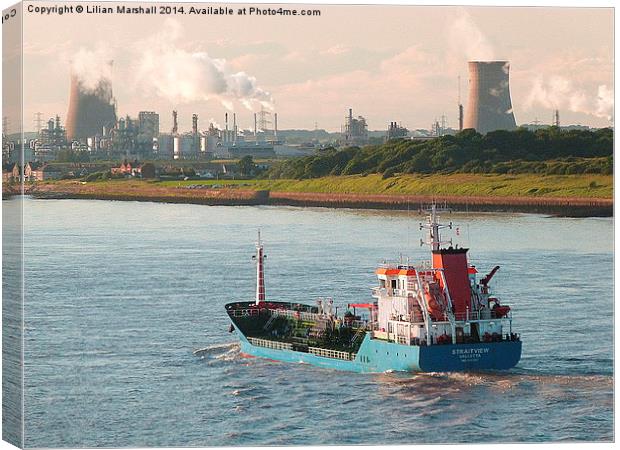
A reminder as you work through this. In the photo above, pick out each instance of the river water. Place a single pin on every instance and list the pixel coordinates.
(120, 295)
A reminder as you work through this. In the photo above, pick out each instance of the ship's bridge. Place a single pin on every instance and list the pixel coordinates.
(397, 279)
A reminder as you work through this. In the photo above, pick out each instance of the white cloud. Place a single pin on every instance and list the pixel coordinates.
(337, 49)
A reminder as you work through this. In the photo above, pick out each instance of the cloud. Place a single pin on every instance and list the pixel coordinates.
(338, 49)
(389, 91)
(164, 68)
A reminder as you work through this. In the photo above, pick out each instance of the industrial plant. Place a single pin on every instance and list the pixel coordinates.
(354, 131)
(396, 131)
(93, 128)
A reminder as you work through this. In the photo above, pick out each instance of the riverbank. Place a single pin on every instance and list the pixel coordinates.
(278, 192)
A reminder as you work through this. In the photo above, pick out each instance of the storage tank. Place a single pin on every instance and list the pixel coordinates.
(177, 151)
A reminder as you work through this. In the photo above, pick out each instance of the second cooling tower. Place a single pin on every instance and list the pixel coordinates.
(90, 110)
(489, 106)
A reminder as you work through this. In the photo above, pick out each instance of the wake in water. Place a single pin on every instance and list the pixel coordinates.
(219, 352)
(514, 377)
(425, 386)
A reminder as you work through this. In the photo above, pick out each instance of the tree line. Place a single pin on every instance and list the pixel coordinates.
(544, 151)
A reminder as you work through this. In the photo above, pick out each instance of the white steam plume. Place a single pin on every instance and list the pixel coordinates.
(561, 93)
(605, 102)
(214, 122)
(466, 38)
(180, 76)
(92, 67)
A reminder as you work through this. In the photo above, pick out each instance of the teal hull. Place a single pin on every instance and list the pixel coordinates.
(375, 355)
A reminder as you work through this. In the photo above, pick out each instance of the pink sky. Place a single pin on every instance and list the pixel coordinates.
(388, 63)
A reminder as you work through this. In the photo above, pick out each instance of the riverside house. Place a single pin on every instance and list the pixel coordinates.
(45, 172)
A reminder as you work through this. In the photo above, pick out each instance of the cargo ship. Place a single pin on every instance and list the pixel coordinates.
(437, 316)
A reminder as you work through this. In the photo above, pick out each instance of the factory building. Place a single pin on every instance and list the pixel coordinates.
(149, 124)
(489, 106)
(54, 135)
(229, 143)
(354, 131)
(395, 131)
(148, 131)
(182, 145)
(49, 141)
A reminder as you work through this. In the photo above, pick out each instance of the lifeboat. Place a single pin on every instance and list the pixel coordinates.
(498, 310)
(435, 301)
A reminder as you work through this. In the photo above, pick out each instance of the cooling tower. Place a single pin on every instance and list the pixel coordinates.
(489, 107)
(90, 110)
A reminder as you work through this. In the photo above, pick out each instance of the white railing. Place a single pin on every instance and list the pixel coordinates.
(324, 352)
(277, 345)
(296, 314)
(422, 266)
(335, 354)
(359, 324)
(478, 316)
(243, 312)
(276, 312)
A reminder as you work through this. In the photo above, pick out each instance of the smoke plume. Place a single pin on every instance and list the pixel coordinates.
(605, 102)
(164, 68)
(558, 92)
(92, 69)
(466, 38)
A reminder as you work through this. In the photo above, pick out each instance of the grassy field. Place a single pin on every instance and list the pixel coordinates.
(527, 185)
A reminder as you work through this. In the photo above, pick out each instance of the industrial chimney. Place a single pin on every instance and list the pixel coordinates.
(90, 110)
(175, 123)
(234, 127)
(194, 124)
(489, 107)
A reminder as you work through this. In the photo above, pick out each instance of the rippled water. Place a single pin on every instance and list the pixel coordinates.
(127, 341)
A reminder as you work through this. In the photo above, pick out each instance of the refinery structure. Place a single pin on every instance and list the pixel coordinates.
(230, 142)
(354, 131)
(93, 126)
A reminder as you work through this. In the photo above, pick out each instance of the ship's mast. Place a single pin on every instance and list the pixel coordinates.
(433, 226)
(260, 271)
